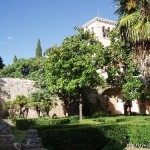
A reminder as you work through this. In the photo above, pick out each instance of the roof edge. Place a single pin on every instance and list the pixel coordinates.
(111, 22)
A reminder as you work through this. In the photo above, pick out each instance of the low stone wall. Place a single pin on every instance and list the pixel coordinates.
(11, 87)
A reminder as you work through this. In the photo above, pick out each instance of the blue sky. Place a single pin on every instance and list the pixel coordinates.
(24, 21)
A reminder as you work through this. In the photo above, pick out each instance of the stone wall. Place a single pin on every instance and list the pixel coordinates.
(116, 105)
(11, 87)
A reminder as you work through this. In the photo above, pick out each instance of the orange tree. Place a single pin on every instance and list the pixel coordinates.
(71, 68)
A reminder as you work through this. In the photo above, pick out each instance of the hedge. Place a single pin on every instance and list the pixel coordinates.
(83, 137)
(93, 137)
(139, 134)
(24, 124)
(108, 134)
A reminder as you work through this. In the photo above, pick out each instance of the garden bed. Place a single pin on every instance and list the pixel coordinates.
(96, 133)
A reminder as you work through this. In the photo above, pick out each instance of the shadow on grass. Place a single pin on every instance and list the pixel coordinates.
(19, 134)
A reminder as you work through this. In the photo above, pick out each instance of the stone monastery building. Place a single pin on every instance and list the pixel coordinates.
(101, 28)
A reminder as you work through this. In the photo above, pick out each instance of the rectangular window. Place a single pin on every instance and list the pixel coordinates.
(103, 31)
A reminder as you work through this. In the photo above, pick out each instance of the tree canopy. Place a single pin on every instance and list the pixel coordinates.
(72, 66)
(121, 70)
(23, 68)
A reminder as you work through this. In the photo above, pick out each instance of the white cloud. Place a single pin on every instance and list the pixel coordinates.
(9, 38)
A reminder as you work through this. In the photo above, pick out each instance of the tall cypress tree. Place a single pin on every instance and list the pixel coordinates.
(15, 59)
(1, 63)
(38, 49)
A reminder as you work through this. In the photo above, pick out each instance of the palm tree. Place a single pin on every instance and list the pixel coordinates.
(42, 101)
(134, 27)
(22, 101)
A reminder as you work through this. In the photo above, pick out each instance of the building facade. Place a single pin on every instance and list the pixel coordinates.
(101, 28)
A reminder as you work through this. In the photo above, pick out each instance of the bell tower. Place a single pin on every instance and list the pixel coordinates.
(101, 28)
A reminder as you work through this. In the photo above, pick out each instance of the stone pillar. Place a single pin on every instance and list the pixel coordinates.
(6, 138)
(30, 142)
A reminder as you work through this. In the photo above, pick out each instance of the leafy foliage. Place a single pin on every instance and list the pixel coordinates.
(42, 101)
(117, 57)
(134, 28)
(23, 68)
(131, 88)
(21, 100)
(121, 70)
(24, 124)
(72, 66)
(134, 20)
(18, 107)
(84, 136)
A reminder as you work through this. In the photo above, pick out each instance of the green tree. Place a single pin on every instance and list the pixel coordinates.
(38, 49)
(117, 57)
(134, 27)
(22, 102)
(42, 101)
(71, 68)
(1, 63)
(24, 68)
(15, 59)
(122, 73)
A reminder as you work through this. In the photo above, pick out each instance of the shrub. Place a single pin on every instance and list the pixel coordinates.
(83, 137)
(87, 137)
(99, 114)
(110, 120)
(121, 119)
(24, 124)
(100, 119)
(59, 135)
(74, 119)
(139, 134)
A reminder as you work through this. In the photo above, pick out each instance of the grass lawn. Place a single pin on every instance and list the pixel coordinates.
(19, 135)
(118, 119)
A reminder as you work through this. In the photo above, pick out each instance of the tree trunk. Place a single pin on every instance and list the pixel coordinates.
(38, 110)
(80, 108)
(142, 59)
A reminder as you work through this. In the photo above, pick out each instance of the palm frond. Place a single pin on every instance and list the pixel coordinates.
(128, 19)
